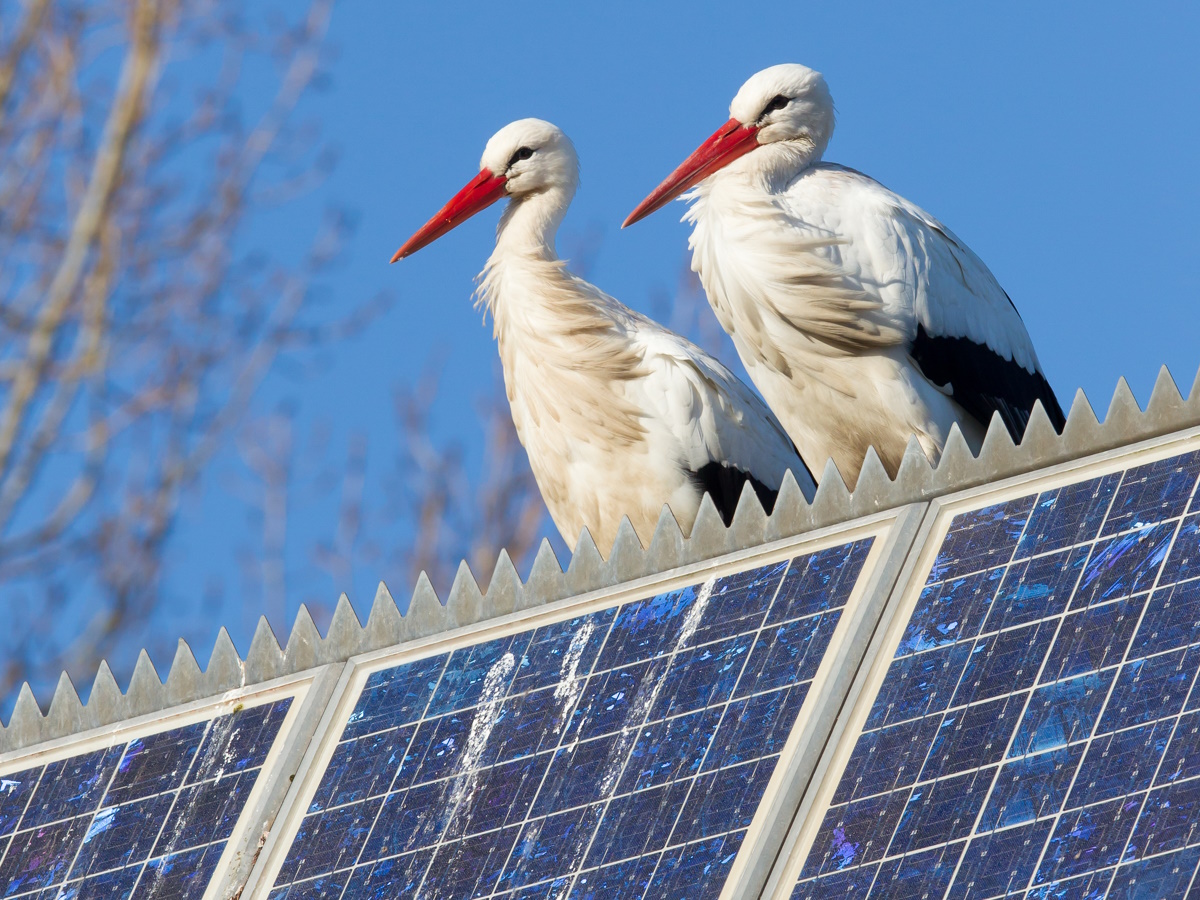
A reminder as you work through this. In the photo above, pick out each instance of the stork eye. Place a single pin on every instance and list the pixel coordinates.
(778, 102)
(523, 153)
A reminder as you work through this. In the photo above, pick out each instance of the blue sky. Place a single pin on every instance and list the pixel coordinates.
(1059, 140)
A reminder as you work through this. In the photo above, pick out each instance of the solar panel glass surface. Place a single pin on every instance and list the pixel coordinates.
(149, 818)
(618, 754)
(1037, 732)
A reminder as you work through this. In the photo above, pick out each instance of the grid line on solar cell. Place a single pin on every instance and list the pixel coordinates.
(1119, 669)
(642, 773)
(141, 811)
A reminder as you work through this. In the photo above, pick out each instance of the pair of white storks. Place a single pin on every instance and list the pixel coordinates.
(860, 318)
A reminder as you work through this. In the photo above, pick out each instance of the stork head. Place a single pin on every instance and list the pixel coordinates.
(784, 112)
(523, 159)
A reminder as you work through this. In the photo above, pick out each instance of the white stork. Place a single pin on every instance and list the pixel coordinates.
(861, 318)
(618, 414)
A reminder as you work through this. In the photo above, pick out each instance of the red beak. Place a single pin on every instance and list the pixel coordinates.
(731, 140)
(481, 192)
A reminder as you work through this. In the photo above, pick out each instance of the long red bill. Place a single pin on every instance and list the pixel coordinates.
(731, 140)
(481, 192)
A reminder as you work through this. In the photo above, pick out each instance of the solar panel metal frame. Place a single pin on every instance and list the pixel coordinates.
(309, 692)
(893, 531)
(895, 618)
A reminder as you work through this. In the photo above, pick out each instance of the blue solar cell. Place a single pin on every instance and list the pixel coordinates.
(205, 813)
(469, 867)
(919, 685)
(363, 768)
(941, 811)
(1089, 838)
(1068, 515)
(1031, 786)
(120, 834)
(724, 800)
(1000, 862)
(1171, 619)
(971, 737)
(1119, 764)
(785, 654)
(70, 785)
(326, 842)
(1061, 712)
(155, 763)
(823, 582)
(739, 604)
(183, 874)
(1169, 875)
(707, 674)
(1183, 562)
(1036, 589)
(981, 539)
(918, 875)
(838, 885)
(116, 884)
(855, 833)
(696, 870)
(1148, 689)
(468, 672)
(1169, 820)
(151, 816)
(950, 611)
(1093, 639)
(636, 821)
(755, 726)
(671, 750)
(521, 730)
(395, 697)
(628, 879)
(1124, 565)
(1182, 759)
(886, 759)
(15, 791)
(621, 754)
(645, 629)
(1004, 662)
(1093, 886)
(1083, 590)
(1153, 493)
(574, 643)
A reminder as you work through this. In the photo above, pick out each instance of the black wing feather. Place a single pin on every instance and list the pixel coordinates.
(724, 483)
(983, 382)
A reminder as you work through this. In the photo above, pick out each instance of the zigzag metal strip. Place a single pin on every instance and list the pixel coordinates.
(958, 469)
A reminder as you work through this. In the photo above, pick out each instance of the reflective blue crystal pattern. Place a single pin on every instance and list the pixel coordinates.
(621, 754)
(149, 818)
(1038, 731)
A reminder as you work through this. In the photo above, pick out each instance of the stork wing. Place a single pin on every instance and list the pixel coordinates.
(720, 431)
(970, 339)
(960, 328)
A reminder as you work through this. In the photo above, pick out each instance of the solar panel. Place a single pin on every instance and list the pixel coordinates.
(1037, 731)
(619, 754)
(148, 818)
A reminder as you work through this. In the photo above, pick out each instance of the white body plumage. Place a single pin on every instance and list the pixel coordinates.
(617, 414)
(860, 317)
